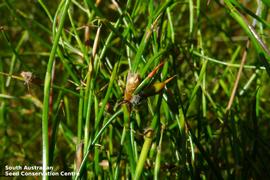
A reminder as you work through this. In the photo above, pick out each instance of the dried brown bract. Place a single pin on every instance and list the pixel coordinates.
(133, 80)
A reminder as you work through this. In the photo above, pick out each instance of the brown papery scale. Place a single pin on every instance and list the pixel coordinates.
(133, 80)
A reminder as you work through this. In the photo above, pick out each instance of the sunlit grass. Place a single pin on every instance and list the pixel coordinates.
(136, 89)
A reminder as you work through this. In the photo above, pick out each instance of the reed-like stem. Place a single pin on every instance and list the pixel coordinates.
(47, 87)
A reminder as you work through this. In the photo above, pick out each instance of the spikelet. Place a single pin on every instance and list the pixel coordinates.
(133, 80)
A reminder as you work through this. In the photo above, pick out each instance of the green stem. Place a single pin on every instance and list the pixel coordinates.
(116, 172)
(148, 141)
(47, 87)
(158, 157)
(144, 152)
(92, 143)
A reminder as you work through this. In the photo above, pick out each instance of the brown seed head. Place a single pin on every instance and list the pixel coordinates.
(133, 80)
